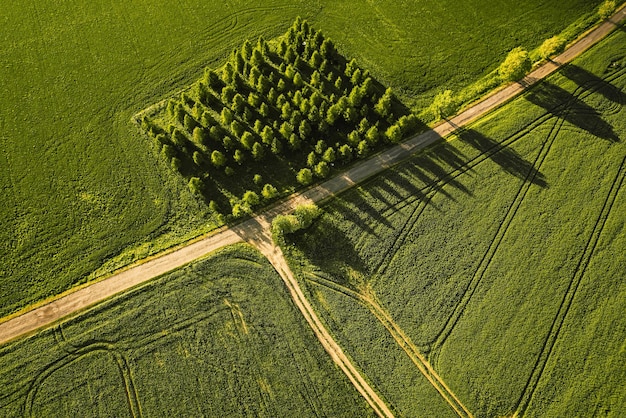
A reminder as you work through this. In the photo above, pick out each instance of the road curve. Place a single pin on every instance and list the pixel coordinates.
(71, 303)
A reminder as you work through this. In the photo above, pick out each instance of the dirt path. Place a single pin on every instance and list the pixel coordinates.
(99, 291)
(404, 341)
(256, 229)
(257, 233)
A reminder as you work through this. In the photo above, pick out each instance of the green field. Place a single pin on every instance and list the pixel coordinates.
(220, 337)
(83, 193)
(499, 253)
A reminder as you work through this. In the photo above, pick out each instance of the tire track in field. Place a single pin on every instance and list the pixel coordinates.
(561, 112)
(76, 355)
(132, 396)
(400, 337)
(570, 294)
(488, 256)
(258, 234)
(430, 190)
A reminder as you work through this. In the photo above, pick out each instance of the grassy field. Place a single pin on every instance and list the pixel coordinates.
(499, 253)
(220, 337)
(82, 191)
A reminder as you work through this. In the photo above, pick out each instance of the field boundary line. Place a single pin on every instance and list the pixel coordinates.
(403, 341)
(570, 294)
(73, 302)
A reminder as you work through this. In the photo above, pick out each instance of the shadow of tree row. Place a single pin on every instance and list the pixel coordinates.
(565, 105)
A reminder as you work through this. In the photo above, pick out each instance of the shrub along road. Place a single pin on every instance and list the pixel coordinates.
(256, 230)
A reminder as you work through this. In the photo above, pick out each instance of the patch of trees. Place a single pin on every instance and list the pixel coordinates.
(293, 104)
(302, 217)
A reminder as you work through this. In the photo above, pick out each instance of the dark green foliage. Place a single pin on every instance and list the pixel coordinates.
(247, 140)
(195, 185)
(277, 146)
(239, 156)
(277, 100)
(383, 107)
(322, 170)
(393, 134)
(251, 198)
(218, 159)
(516, 65)
(258, 152)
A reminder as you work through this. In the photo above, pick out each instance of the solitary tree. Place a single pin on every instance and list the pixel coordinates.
(329, 155)
(304, 129)
(269, 192)
(258, 152)
(322, 169)
(277, 146)
(286, 130)
(383, 107)
(247, 140)
(354, 138)
(195, 185)
(606, 9)
(251, 198)
(228, 93)
(516, 64)
(295, 142)
(297, 80)
(238, 104)
(394, 134)
(443, 104)
(372, 135)
(267, 135)
(239, 156)
(363, 148)
(237, 128)
(345, 152)
(264, 110)
(320, 147)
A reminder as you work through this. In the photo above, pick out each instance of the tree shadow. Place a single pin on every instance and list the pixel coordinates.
(569, 107)
(590, 81)
(508, 159)
(336, 252)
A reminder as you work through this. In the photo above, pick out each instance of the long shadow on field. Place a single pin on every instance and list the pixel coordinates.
(508, 159)
(590, 81)
(328, 248)
(569, 107)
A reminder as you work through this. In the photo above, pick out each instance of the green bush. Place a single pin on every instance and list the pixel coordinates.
(516, 65)
(551, 46)
(305, 176)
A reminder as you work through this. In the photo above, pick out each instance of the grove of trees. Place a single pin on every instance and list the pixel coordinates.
(295, 105)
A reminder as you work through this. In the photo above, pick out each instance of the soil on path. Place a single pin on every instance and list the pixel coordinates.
(79, 300)
(257, 233)
(256, 230)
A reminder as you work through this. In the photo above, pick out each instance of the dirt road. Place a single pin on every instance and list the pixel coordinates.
(255, 228)
(87, 296)
(257, 233)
